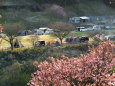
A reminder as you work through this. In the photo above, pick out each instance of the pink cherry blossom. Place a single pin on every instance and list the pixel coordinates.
(92, 69)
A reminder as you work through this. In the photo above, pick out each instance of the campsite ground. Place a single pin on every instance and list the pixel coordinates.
(26, 41)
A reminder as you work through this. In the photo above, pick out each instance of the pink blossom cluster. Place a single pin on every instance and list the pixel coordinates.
(92, 69)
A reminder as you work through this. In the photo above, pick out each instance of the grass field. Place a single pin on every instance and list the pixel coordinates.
(78, 34)
(26, 40)
(84, 33)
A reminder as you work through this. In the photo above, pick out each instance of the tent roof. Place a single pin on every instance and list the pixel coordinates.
(43, 28)
(84, 17)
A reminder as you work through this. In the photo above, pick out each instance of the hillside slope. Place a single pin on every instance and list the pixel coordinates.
(21, 13)
(76, 7)
(91, 8)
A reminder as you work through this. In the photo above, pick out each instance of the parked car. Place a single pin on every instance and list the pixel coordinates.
(94, 27)
(107, 27)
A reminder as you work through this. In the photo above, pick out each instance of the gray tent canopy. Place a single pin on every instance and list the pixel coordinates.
(18, 44)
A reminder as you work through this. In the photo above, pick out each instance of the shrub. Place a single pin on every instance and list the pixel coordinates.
(16, 74)
(93, 69)
(8, 57)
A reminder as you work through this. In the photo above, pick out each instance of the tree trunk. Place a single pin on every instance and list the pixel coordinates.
(61, 40)
(11, 43)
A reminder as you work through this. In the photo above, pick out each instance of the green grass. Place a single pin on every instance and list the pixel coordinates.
(78, 34)
(84, 33)
(111, 31)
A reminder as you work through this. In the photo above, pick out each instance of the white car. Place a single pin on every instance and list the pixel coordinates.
(38, 32)
(83, 29)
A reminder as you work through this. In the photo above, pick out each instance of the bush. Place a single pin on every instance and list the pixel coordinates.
(7, 57)
(16, 75)
(93, 69)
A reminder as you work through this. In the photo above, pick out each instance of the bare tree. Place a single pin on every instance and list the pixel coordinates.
(12, 30)
(33, 39)
(97, 35)
(96, 32)
(62, 29)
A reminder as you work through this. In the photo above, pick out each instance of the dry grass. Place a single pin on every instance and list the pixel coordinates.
(25, 40)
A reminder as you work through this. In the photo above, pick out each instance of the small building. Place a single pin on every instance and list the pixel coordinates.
(81, 19)
(84, 19)
(74, 20)
(43, 30)
(38, 32)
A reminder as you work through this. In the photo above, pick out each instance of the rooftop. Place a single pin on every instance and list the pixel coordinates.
(84, 17)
